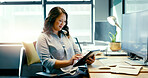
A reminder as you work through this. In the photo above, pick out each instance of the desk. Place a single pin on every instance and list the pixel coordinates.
(94, 72)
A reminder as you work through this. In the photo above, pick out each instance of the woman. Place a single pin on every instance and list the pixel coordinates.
(55, 46)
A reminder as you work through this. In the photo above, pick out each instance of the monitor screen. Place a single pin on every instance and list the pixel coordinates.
(135, 33)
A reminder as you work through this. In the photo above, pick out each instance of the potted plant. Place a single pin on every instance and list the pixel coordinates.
(114, 46)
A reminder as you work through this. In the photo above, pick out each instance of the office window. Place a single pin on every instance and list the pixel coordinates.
(25, 20)
(68, 0)
(79, 20)
(20, 23)
(17, 0)
(135, 5)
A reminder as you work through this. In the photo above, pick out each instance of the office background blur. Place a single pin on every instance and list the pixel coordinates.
(22, 20)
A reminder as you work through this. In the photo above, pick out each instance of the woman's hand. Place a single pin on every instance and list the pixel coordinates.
(90, 60)
(75, 57)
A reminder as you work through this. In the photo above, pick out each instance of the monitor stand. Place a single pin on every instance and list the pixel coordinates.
(136, 61)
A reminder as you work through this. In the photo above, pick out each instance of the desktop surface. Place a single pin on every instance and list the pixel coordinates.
(95, 72)
(111, 75)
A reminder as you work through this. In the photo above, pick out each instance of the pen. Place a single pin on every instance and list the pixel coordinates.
(127, 67)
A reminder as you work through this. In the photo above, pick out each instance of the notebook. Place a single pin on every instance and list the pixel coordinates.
(132, 70)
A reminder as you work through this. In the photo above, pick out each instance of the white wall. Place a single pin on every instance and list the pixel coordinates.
(117, 12)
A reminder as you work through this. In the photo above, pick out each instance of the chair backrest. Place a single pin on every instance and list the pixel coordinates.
(77, 41)
(28, 70)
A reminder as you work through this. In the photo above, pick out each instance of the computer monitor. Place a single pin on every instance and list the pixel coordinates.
(134, 36)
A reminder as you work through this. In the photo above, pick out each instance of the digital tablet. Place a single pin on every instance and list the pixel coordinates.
(82, 61)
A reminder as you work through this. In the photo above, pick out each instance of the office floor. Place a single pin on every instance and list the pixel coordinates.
(11, 73)
(8, 73)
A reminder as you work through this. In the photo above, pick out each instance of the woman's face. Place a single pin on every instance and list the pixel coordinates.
(59, 23)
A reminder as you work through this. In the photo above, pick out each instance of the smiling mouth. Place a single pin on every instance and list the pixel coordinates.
(60, 26)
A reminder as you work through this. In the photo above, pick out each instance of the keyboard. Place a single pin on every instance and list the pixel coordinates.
(109, 53)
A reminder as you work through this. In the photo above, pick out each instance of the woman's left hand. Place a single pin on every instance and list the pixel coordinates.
(90, 60)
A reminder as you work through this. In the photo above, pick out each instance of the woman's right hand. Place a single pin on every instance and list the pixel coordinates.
(75, 57)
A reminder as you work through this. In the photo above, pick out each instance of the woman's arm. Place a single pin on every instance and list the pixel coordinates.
(42, 48)
(65, 63)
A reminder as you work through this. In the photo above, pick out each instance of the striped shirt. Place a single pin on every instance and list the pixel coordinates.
(51, 48)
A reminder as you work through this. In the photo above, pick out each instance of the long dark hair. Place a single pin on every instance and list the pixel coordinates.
(49, 21)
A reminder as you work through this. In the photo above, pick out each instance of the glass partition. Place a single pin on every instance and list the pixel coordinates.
(135, 5)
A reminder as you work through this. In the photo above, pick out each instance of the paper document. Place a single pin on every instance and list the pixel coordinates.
(134, 70)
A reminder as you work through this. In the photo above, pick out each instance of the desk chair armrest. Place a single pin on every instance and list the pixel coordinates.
(21, 60)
